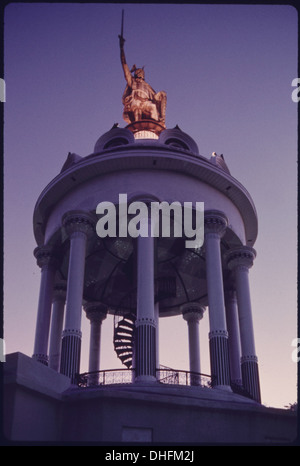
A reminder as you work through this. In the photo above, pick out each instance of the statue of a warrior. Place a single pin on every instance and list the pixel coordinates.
(139, 99)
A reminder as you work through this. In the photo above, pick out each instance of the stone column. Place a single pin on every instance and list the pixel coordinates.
(133, 355)
(78, 226)
(48, 264)
(239, 260)
(233, 336)
(145, 335)
(156, 316)
(96, 313)
(193, 313)
(215, 224)
(58, 309)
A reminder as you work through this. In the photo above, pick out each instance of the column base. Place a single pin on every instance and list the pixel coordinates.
(54, 362)
(222, 387)
(219, 357)
(237, 382)
(250, 377)
(145, 359)
(70, 354)
(195, 379)
(145, 379)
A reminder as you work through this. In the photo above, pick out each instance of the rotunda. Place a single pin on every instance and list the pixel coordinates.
(142, 278)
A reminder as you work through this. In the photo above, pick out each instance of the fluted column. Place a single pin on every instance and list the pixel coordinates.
(215, 224)
(78, 226)
(145, 335)
(156, 317)
(96, 313)
(233, 336)
(48, 263)
(193, 313)
(58, 308)
(239, 261)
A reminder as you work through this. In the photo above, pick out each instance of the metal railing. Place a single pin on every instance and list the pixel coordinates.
(105, 377)
(164, 375)
(181, 377)
(126, 376)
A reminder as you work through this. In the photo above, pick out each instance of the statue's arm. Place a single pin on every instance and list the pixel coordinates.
(125, 67)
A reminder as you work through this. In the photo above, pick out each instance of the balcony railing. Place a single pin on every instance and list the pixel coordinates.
(164, 375)
(126, 376)
(105, 377)
(180, 377)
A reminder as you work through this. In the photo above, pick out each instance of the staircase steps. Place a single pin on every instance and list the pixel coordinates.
(123, 339)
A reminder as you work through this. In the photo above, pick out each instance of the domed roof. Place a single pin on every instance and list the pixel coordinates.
(114, 137)
(178, 139)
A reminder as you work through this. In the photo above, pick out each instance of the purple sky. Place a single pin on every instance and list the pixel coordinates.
(227, 71)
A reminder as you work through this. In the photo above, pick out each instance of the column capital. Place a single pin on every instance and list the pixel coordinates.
(78, 221)
(242, 256)
(215, 222)
(95, 311)
(45, 256)
(192, 312)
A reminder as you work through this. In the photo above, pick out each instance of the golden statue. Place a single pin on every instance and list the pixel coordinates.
(139, 99)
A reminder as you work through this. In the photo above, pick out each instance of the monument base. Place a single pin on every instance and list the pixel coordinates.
(41, 405)
(146, 129)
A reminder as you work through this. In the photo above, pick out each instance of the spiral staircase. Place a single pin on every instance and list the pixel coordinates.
(123, 338)
(125, 324)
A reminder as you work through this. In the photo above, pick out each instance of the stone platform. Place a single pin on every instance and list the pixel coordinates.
(40, 405)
